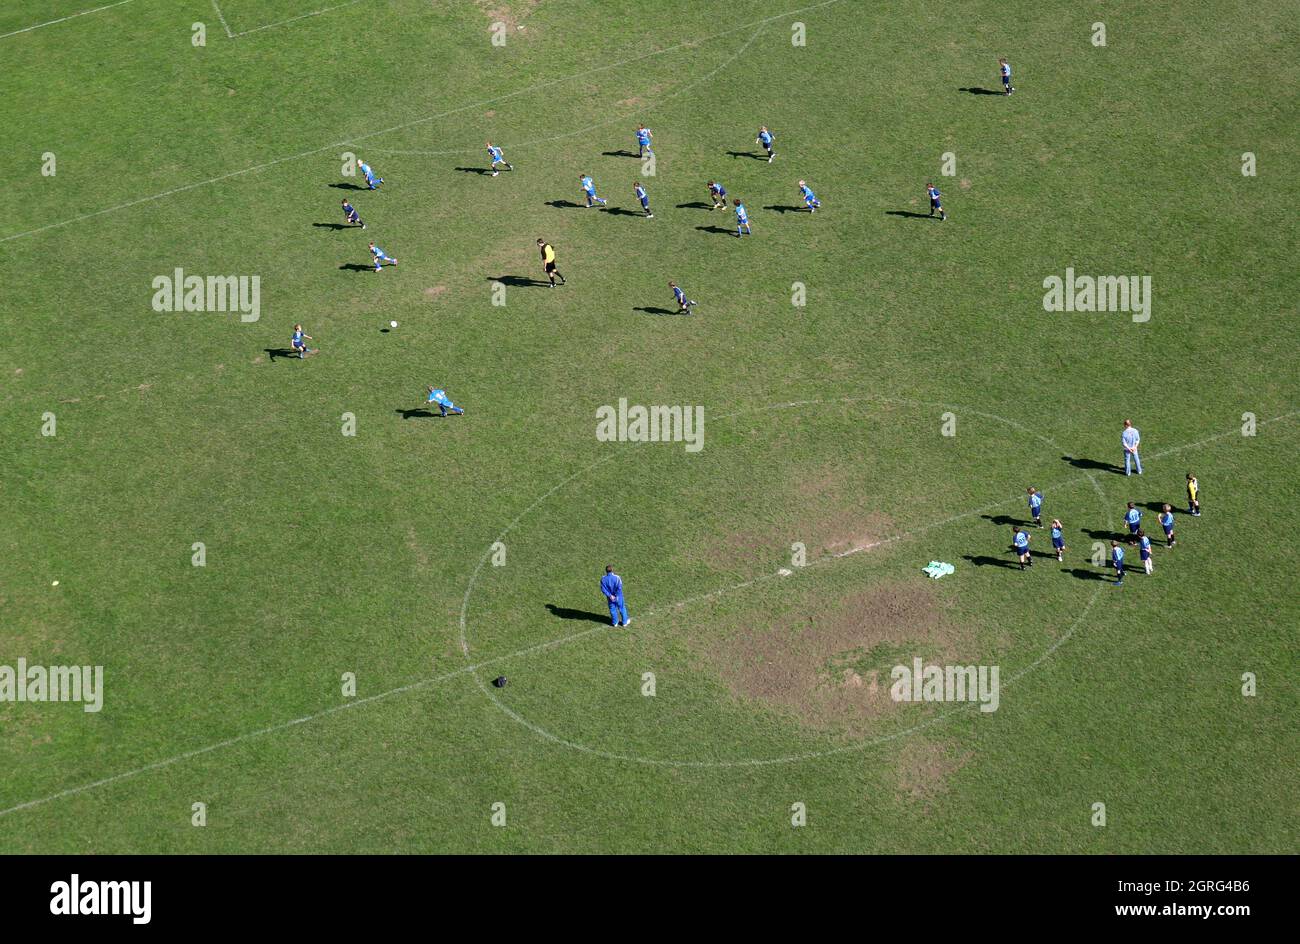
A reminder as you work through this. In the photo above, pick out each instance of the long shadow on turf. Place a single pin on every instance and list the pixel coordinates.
(783, 209)
(618, 154)
(697, 205)
(418, 413)
(983, 560)
(564, 205)
(563, 612)
(334, 226)
(715, 229)
(1085, 574)
(273, 352)
(1003, 519)
(1093, 464)
(658, 311)
(519, 281)
(355, 267)
(482, 171)
(979, 91)
(754, 154)
(910, 215)
(348, 187)
(619, 211)
(1104, 535)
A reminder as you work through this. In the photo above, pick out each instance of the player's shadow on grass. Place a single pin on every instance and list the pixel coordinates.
(355, 267)
(1093, 464)
(984, 560)
(910, 215)
(619, 154)
(565, 204)
(1102, 534)
(418, 413)
(716, 229)
(274, 352)
(697, 205)
(518, 281)
(1083, 573)
(659, 311)
(481, 171)
(783, 209)
(620, 211)
(563, 612)
(348, 187)
(1158, 507)
(1003, 519)
(979, 91)
(334, 226)
(754, 154)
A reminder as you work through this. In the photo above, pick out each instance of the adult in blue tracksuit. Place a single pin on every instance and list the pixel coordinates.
(611, 587)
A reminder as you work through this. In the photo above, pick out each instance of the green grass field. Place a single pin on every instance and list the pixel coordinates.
(825, 426)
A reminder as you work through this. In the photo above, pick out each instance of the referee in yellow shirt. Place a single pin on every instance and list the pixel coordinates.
(548, 261)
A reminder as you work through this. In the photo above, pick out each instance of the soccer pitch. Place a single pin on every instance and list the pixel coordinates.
(261, 603)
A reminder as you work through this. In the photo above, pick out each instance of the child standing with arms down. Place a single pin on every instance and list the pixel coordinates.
(1036, 505)
(1020, 542)
(1167, 522)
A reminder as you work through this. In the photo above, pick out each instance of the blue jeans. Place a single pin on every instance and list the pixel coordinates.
(615, 609)
(1136, 461)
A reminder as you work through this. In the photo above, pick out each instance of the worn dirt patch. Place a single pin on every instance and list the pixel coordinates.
(830, 669)
(924, 767)
(433, 291)
(498, 12)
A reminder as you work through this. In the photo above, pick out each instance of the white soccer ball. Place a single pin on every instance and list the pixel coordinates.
(392, 324)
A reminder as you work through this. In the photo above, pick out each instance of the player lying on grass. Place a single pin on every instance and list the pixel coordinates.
(439, 397)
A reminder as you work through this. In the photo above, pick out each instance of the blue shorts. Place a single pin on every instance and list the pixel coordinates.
(1133, 528)
(1169, 532)
(1146, 555)
(934, 204)
(645, 202)
(1058, 543)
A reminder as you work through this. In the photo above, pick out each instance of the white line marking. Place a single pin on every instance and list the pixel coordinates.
(372, 134)
(550, 644)
(301, 16)
(71, 16)
(222, 17)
